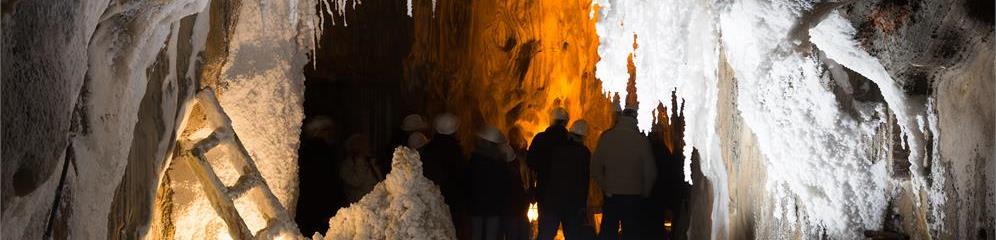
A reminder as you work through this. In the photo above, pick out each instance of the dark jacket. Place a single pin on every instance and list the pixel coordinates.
(442, 162)
(539, 156)
(664, 186)
(516, 200)
(489, 181)
(569, 174)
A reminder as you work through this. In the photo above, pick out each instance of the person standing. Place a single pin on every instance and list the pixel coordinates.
(624, 168)
(410, 125)
(320, 192)
(655, 207)
(566, 200)
(443, 163)
(488, 177)
(359, 170)
(539, 155)
(515, 222)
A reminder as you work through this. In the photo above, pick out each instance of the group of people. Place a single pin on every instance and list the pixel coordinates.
(485, 193)
(624, 165)
(489, 193)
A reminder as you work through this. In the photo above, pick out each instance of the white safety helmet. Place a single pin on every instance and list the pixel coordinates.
(492, 134)
(559, 113)
(580, 127)
(417, 140)
(446, 123)
(413, 122)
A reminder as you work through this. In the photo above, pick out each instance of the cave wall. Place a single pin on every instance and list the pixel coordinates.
(94, 93)
(941, 54)
(508, 63)
(41, 87)
(114, 47)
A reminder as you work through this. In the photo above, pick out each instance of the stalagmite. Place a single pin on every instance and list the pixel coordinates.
(406, 205)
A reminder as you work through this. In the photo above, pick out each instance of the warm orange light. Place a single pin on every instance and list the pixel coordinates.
(533, 212)
(598, 222)
(510, 65)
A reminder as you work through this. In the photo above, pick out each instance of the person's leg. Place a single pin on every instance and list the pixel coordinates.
(630, 216)
(548, 222)
(574, 224)
(652, 213)
(609, 229)
(491, 227)
(477, 228)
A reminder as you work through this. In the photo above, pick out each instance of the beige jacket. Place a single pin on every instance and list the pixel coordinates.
(623, 163)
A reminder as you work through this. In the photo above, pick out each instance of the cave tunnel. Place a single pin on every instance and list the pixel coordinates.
(519, 119)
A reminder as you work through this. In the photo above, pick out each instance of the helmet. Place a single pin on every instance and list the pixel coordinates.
(559, 113)
(492, 134)
(413, 122)
(316, 127)
(580, 127)
(630, 111)
(417, 140)
(446, 123)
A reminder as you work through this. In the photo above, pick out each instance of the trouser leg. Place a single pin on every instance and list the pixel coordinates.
(477, 228)
(629, 205)
(609, 229)
(574, 224)
(548, 222)
(492, 225)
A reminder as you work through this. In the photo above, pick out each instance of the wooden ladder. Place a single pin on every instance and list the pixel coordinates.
(219, 133)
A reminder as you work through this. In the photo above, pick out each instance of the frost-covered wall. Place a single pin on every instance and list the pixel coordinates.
(676, 48)
(820, 85)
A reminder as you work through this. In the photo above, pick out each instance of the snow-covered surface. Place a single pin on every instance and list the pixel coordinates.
(406, 205)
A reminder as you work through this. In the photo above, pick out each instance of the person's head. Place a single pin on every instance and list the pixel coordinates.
(416, 140)
(559, 116)
(630, 111)
(412, 123)
(492, 134)
(580, 128)
(446, 123)
(320, 127)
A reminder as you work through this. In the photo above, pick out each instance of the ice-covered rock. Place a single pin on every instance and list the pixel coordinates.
(406, 205)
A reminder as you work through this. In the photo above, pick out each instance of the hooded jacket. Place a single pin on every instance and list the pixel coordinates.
(623, 163)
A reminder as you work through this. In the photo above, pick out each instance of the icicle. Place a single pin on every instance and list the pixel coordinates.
(409, 8)
(263, 8)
